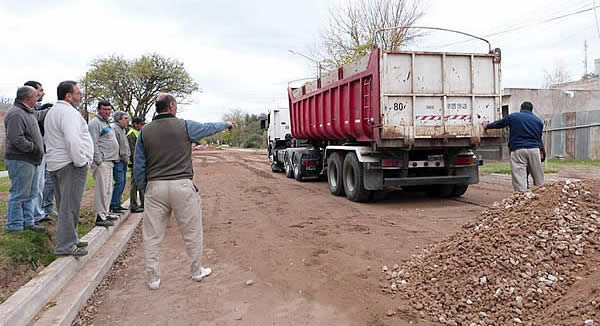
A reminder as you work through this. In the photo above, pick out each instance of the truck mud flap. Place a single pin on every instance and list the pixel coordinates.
(421, 181)
(373, 179)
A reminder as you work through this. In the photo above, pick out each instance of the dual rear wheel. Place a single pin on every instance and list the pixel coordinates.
(344, 176)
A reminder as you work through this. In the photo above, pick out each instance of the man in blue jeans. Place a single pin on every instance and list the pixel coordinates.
(23, 156)
(120, 167)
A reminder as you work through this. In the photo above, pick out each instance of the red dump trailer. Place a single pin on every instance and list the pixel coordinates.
(392, 119)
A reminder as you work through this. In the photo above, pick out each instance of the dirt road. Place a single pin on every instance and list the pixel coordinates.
(315, 259)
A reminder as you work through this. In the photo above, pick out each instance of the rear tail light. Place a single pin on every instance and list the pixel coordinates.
(309, 163)
(388, 162)
(464, 160)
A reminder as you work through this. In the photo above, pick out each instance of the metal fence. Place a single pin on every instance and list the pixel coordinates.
(573, 135)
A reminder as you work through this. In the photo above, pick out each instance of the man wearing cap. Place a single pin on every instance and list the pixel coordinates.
(136, 206)
(163, 160)
(120, 167)
(106, 153)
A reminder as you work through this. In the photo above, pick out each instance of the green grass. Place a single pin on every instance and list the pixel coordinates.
(550, 166)
(90, 182)
(4, 184)
(27, 247)
(2, 166)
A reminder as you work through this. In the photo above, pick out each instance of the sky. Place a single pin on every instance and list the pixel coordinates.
(238, 51)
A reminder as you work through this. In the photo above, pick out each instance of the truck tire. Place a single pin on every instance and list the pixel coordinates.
(289, 172)
(298, 171)
(460, 190)
(353, 179)
(335, 166)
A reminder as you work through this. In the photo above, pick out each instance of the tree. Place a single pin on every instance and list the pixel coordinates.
(353, 26)
(133, 85)
(558, 75)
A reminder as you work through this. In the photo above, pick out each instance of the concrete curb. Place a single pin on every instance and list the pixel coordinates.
(24, 304)
(75, 294)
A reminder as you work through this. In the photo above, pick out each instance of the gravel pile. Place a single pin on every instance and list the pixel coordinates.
(512, 265)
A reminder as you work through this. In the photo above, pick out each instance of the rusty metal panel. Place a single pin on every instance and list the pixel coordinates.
(558, 137)
(582, 137)
(483, 75)
(570, 120)
(397, 73)
(397, 111)
(594, 151)
(428, 74)
(458, 111)
(428, 116)
(458, 74)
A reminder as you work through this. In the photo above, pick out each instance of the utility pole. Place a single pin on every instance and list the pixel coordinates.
(585, 64)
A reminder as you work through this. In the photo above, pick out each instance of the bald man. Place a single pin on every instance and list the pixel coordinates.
(163, 169)
(23, 156)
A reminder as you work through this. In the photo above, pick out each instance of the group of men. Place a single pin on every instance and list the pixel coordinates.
(161, 156)
(45, 146)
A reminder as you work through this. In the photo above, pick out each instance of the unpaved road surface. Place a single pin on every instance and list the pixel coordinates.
(315, 259)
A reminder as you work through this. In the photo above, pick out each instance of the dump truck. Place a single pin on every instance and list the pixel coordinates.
(391, 119)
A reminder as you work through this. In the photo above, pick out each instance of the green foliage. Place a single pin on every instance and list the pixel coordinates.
(2, 166)
(133, 85)
(28, 247)
(246, 134)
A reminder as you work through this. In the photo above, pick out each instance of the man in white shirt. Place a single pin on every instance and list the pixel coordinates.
(70, 151)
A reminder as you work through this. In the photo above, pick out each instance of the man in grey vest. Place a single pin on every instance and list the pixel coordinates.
(163, 168)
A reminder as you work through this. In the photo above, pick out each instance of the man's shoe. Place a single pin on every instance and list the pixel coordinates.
(137, 210)
(116, 210)
(105, 223)
(154, 285)
(36, 228)
(204, 272)
(77, 252)
(46, 218)
(52, 213)
(122, 208)
(81, 244)
(112, 217)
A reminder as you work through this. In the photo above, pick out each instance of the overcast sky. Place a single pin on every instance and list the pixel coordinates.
(237, 51)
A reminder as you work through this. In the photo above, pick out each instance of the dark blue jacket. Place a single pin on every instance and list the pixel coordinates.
(525, 129)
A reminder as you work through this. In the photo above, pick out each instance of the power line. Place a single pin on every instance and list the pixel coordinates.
(524, 26)
(596, 16)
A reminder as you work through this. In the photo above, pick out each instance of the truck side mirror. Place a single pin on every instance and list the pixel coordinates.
(263, 124)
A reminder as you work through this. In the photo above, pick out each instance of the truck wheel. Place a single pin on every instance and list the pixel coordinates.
(275, 167)
(353, 179)
(460, 190)
(334, 174)
(298, 172)
(288, 168)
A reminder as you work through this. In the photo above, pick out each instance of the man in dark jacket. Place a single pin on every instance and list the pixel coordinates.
(24, 153)
(525, 144)
(136, 206)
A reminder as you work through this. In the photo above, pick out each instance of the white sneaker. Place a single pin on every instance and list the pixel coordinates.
(204, 272)
(154, 285)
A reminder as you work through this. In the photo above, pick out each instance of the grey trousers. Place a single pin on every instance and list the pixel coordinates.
(103, 175)
(520, 161)
(133, 194)
(69, 183)
(179, 197)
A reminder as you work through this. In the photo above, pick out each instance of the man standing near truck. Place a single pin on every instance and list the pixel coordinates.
(163, 160)
(526, 146)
